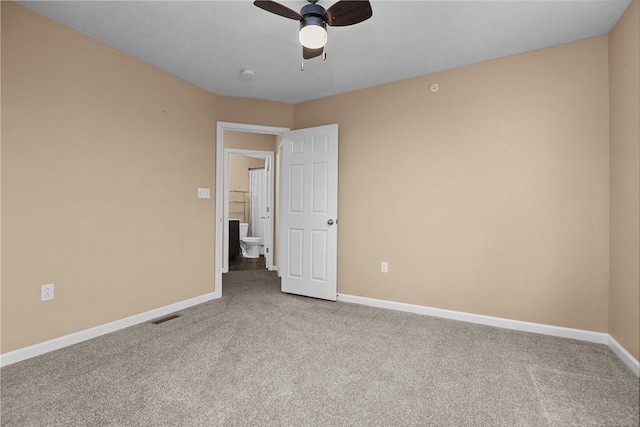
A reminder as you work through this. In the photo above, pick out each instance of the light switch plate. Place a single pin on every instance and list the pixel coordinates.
(46, 292)
(204, 193)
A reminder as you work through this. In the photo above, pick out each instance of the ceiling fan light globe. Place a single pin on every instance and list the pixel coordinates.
(313, 36)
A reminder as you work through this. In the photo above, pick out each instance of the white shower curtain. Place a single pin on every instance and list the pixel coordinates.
(258, 188)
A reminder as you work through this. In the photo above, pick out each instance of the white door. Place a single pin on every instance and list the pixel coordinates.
(308, 232)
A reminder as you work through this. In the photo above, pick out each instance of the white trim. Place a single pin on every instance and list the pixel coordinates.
(279, 207)
(220, 128)
(499, 322)
(624, 355)
(558, 331)
(76, 337)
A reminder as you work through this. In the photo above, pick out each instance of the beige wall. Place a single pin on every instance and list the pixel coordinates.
(489, 196)
(101, 158)
(99, 196)
(254, 112)
(239, 167)
(624, 87)
(249, 141)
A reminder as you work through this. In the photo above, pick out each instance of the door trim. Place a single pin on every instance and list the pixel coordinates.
(220, 128)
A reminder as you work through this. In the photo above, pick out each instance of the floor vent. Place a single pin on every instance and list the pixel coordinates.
(165, 319)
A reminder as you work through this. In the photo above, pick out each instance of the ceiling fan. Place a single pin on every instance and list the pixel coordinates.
(314, 20)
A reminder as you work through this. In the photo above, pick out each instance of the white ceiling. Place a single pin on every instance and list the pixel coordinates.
(209, 42)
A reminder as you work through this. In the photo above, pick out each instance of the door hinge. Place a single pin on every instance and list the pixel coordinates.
(267, 208)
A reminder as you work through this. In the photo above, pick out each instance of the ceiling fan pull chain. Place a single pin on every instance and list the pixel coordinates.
(324, 55)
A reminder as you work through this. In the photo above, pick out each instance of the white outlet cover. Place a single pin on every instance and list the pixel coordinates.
(46, 292)
(204, 193)
(384, 267)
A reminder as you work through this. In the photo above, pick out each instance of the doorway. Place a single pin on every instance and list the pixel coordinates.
(223, 150)
(249, 205)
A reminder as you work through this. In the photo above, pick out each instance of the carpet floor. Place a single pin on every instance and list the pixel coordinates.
(257, 357)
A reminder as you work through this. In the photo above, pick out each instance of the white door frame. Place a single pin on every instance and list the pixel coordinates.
(219, 219)
(270, 196)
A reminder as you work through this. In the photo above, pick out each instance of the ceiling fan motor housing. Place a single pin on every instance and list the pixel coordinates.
(312, 9)
(313, 20)
(312, 14)
(313, 29)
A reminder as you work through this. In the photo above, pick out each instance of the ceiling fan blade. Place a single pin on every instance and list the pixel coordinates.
(311, 53)
(348, 12)
(278, 9)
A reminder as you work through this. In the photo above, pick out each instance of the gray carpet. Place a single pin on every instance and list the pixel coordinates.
(259, 357)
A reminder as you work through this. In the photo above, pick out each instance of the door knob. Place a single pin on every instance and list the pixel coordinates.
(330, 222)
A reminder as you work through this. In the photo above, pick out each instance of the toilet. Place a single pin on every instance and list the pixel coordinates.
(250, 245)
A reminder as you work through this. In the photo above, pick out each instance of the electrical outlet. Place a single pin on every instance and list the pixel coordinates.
(384, 267)
(46, 292)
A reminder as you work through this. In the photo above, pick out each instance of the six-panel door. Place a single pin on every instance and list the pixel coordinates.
(309, 207)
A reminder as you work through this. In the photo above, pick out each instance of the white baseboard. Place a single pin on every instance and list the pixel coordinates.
(624, 355)
(518, 325)
(67, 340)
(558, 331)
